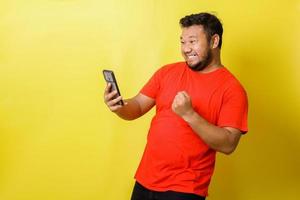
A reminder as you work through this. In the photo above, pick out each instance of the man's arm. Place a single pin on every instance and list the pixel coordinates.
(220, 139)
(133, 108)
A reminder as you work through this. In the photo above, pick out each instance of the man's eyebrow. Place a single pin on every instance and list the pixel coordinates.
(192, 36)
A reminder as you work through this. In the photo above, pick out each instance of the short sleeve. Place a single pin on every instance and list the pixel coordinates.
(234, 109)
(151, 88)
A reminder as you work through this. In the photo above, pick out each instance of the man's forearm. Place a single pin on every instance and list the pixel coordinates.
(219, 139)
(130, 111)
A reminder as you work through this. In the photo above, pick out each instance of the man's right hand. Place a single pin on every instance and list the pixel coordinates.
(109, 99)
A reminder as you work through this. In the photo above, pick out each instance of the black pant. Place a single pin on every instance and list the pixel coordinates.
(142, 193)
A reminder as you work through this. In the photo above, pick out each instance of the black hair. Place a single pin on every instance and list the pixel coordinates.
(211, 24)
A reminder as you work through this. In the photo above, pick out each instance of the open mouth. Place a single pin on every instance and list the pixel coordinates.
(191, 56)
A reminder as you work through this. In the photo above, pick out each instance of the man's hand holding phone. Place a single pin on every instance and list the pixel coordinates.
(110, 99)
(112, 95)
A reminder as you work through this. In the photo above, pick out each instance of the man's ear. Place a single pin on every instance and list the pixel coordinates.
(215, 39)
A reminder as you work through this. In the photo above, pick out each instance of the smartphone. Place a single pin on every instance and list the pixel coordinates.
(109, 77)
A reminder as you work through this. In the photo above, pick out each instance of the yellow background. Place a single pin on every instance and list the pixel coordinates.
(58, 141)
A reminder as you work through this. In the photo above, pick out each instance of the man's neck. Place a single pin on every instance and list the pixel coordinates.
(211, 67)
(214, 64)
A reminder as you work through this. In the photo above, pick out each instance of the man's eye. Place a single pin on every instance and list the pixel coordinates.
(193, 41)
(182, 42)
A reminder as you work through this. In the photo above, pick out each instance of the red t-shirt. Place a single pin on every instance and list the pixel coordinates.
(175, 157)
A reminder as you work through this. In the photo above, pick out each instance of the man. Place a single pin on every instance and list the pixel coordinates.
(201, 109)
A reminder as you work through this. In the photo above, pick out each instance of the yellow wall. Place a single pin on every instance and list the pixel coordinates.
(58, 141)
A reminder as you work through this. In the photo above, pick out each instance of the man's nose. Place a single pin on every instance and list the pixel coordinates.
(186, 48)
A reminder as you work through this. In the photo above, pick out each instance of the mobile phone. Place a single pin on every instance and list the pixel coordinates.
(109, 77)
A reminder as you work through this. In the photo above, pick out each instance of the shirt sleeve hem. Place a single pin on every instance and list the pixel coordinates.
(244, 130)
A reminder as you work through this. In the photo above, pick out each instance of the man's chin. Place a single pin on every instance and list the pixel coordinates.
(196, 67)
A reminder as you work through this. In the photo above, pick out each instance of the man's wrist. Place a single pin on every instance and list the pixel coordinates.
(189, 116)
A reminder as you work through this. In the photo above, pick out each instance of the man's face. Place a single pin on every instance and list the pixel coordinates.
(195, 48)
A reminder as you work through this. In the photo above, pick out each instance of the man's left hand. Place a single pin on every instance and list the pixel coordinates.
(182, 104)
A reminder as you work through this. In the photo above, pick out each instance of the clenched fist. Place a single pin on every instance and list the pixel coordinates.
(182, 104)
